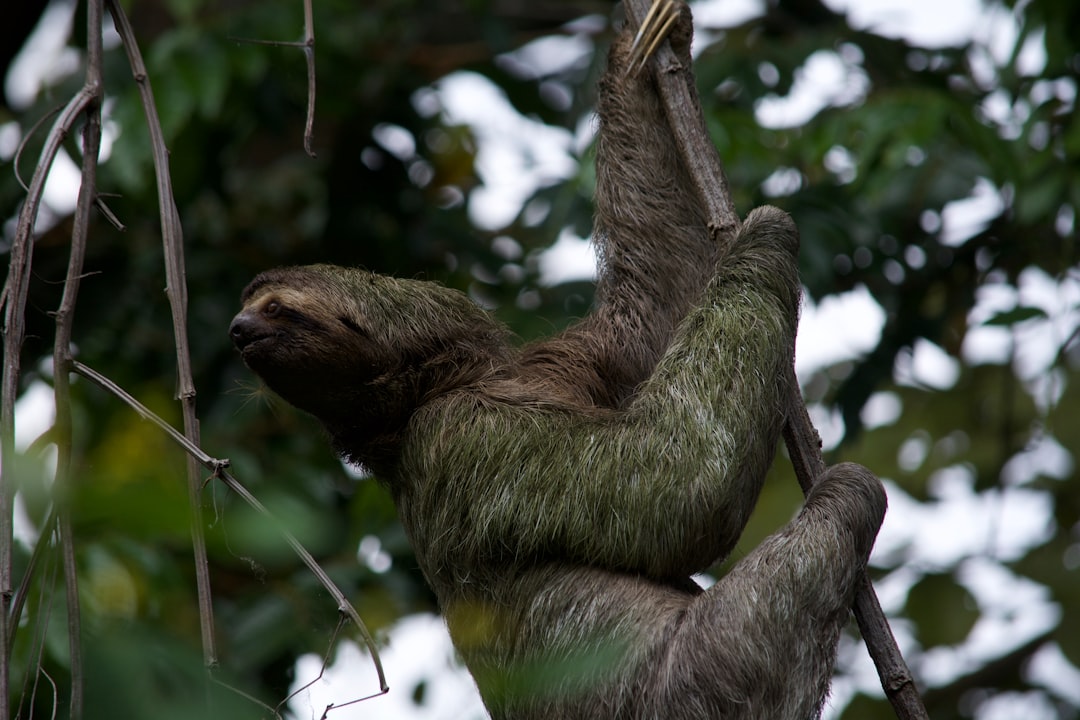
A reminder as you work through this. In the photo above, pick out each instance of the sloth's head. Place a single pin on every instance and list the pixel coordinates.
(361, 351)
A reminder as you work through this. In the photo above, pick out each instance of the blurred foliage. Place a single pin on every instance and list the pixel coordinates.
(869, 180)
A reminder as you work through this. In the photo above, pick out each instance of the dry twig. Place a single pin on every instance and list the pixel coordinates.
(176, 290)
(308, 46)
(62, 356)
(218, 469)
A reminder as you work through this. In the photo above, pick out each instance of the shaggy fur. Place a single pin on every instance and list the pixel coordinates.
(559, 496)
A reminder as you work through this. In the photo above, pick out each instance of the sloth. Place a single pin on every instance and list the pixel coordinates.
(560, 495)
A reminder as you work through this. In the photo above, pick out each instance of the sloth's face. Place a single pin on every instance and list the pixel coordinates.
(352, 347)
(301, 331)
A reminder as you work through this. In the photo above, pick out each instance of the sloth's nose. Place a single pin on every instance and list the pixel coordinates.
(245, 329)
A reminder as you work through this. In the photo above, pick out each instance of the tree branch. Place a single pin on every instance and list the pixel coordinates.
(176, 290)
(678, 93)
(218, 469)
(62, 345)
(308, 46)
(309, 62)
(14, 298)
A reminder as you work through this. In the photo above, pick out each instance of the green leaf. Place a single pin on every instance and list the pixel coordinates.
(1015, 316)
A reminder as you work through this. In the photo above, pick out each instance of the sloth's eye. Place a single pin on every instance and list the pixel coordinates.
(272, 309)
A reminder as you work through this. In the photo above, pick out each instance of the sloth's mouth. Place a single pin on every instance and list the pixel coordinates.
(255, 346)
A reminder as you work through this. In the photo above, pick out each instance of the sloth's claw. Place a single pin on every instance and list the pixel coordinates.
(654, 28)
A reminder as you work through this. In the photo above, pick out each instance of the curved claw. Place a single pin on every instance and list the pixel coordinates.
(654, 28)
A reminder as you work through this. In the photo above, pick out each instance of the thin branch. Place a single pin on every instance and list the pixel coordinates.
(14, 295)
(146, 414)
(309, 61)
(39, 625)
(343, 604)
(322, 670)
(337, 706)
(108, 214)
(678, 93)
(176, 290)
(218, 468)
(30, 132)
(679, 96)
(36, 554)
(247, 696)
(62, 345)
(271, 43)
(308, 46)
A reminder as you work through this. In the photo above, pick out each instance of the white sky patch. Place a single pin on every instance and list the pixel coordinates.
(1033, 344)
(986, 344)
(881, 409)
(1045, 457)
(585, 133)
(997, 589)
(45, 57)
(892, 589)
(1037, 289)
(1013, 704)
(396, 140)
(1037, 343)
(515, 155)
(859, 672)
(926, 365)
(963, 219)
(1031, 60)
(717, 14)
(929, 23)
(997, 33)
(896, 536)
(370, 552)
(35, 412)
(10, 135)
(1008, 114)
(840, 327)
(959, 530)
(782, 182)
(548, 55)
(61, 192)
(1013, 610)
(418, 650)
(23, 528)
(570, 258)
(997, 30)
(825, 79)
(828, 422)
(913, 451)
(960, 523)
(1050, 668)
